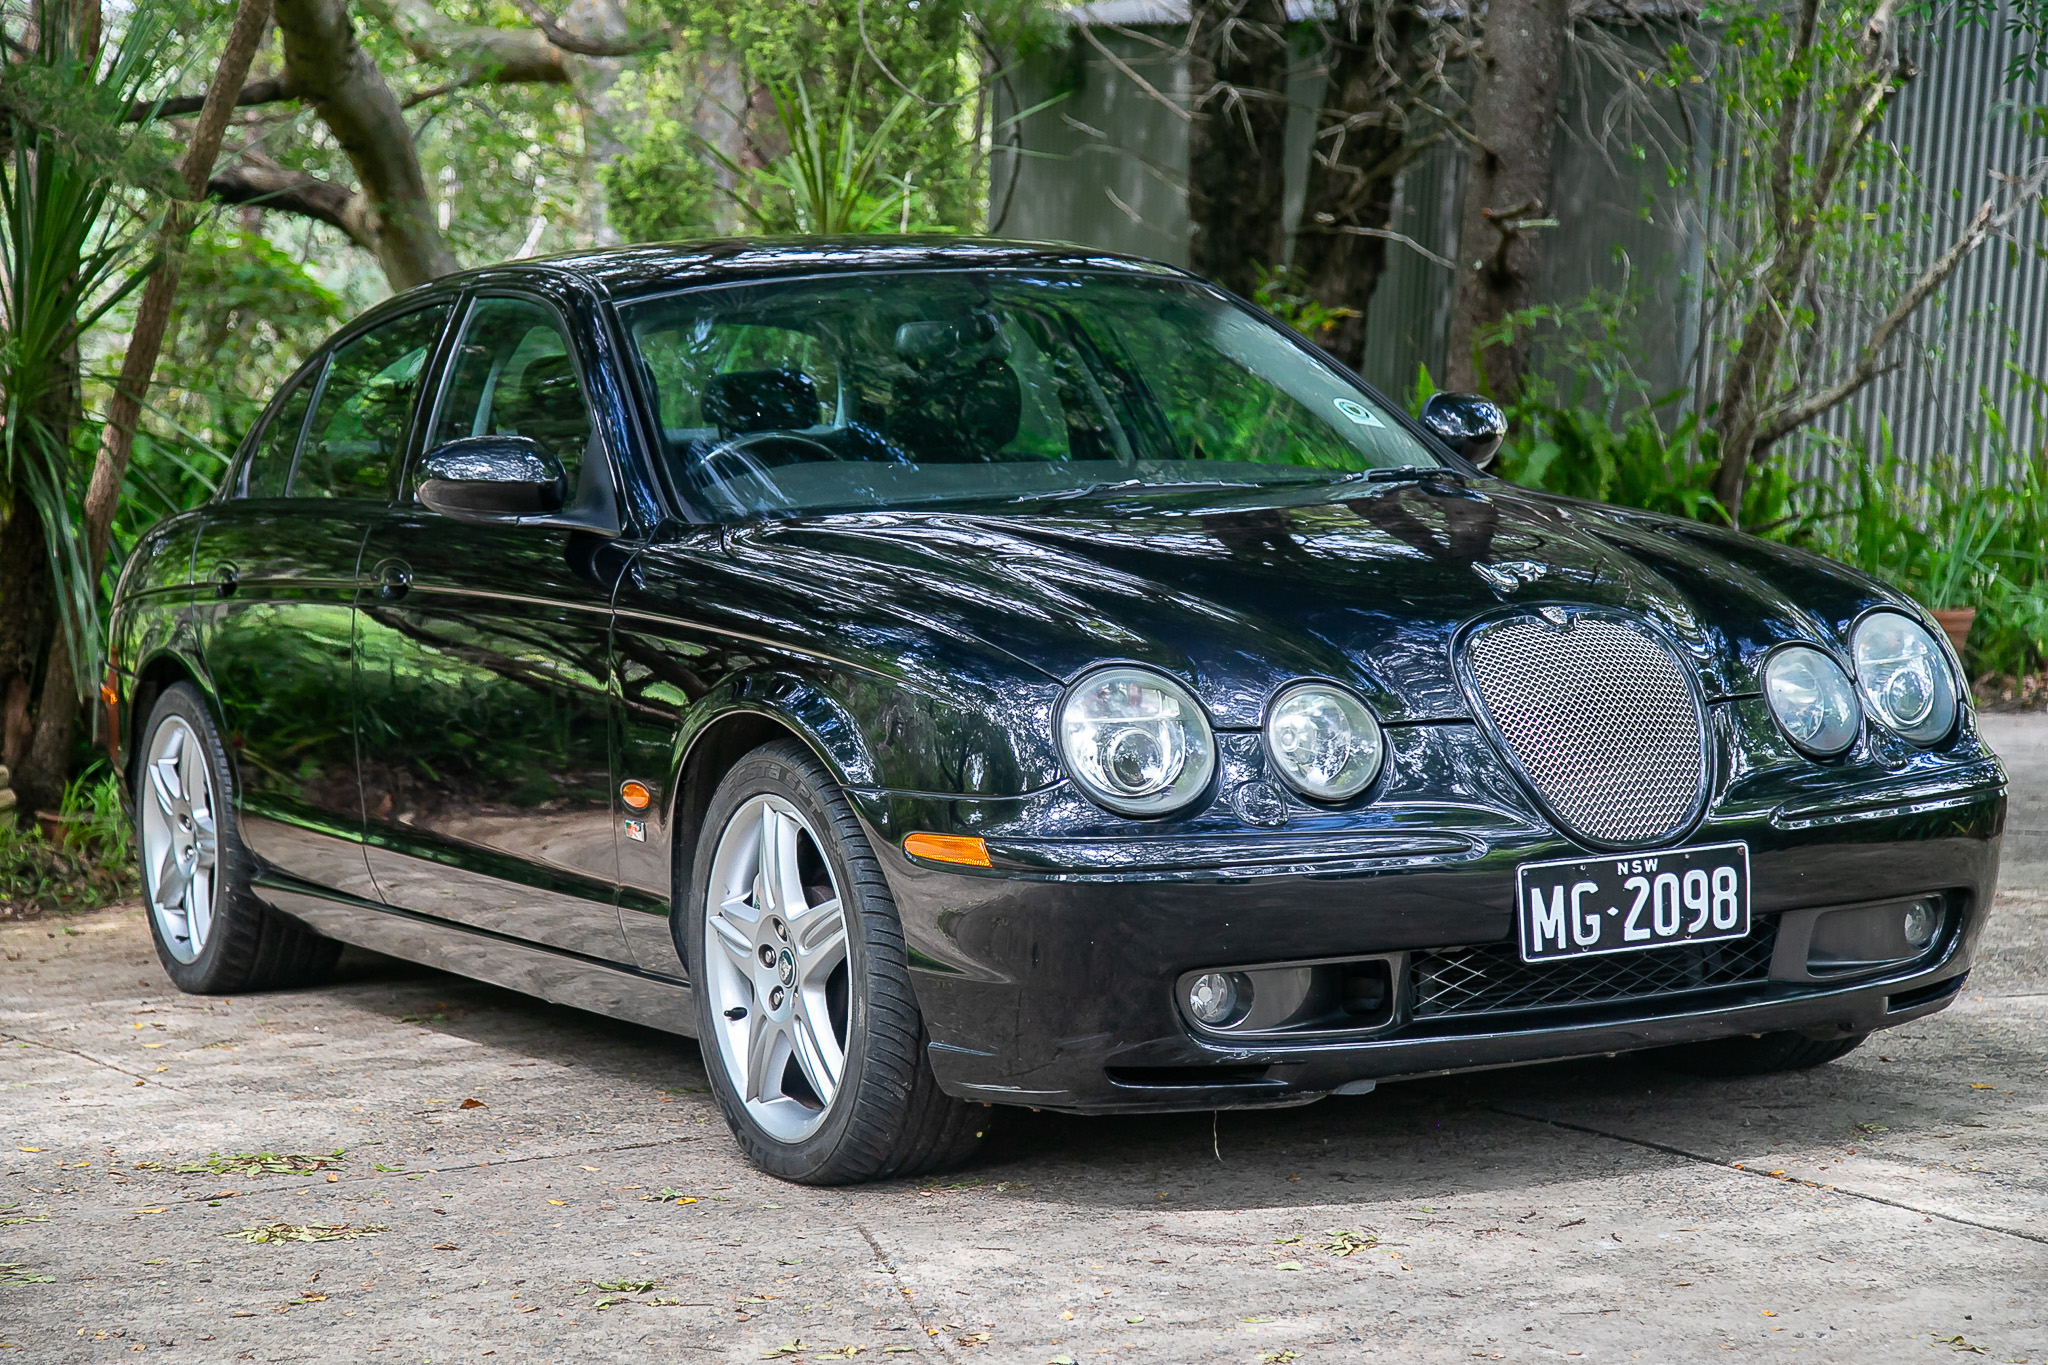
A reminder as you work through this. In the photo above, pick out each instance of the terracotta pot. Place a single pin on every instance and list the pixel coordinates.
(1955, 623)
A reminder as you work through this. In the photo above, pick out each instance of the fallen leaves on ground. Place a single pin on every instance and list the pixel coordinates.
(1279, 1357)
(668, 1196)
(472, 1103)
(305, 1232)
(10, 1273)
(1342, 1241)
(253, 1164)
(1956, 1343)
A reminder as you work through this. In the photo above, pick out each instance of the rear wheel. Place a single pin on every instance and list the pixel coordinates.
(211, 933)
(1758, 1056)
(809, 1027)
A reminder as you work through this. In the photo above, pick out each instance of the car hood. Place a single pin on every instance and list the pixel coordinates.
(1237, 597)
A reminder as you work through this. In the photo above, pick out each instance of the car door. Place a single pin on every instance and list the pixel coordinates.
(481, 664)
(277, 562)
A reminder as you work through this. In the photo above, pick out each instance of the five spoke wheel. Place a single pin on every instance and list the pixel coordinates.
(775, 937)
(180, 847)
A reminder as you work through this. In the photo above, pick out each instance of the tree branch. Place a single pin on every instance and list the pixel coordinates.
(283, 191)
(589, 47)
(481, 52)
(269, 90)
(1989, 220)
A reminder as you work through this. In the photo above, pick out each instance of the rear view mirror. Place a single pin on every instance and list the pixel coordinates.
(1471, 425)
(492, 478)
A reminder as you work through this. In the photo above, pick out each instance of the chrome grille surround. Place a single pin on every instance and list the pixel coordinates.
(1600, 717)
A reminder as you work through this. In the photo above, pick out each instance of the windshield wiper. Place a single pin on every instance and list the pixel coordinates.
(1096, 490)
(1401, 473)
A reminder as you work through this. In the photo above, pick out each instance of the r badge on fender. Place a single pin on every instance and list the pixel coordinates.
(636, 830)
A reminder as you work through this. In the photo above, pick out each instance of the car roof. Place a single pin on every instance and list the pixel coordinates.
(625, 273)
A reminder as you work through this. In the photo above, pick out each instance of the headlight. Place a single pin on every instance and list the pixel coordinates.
(1812, 699)
(1324, 741)
(1136, 742)
(1905, 680)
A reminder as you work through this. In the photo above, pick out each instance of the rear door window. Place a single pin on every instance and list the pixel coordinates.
(270, 460)
(357, 434)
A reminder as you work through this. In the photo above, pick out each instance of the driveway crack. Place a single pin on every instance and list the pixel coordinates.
(1706, 1160)
(934, 1331)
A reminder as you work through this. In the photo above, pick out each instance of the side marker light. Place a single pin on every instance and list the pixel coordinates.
(635, 794)
(965, 849)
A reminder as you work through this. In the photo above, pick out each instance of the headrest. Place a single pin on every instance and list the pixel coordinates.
(740, 401)
(946, 413)
(547, 406)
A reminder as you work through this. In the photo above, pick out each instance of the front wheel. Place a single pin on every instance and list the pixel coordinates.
(809, 1027)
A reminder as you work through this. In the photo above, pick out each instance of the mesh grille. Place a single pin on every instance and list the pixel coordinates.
(1494, 979)
(1601, 720)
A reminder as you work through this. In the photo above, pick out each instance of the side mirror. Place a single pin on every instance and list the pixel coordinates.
(492, 478)
(1471, 425)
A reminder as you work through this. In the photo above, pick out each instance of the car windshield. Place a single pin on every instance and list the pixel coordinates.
(918, 388)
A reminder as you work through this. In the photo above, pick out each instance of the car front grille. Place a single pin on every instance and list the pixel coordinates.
(1493, 979)
(1598, 716)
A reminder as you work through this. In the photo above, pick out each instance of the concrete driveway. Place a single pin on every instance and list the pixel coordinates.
(489, 1174)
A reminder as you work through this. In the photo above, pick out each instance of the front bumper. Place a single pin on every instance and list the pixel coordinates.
(1049, 980)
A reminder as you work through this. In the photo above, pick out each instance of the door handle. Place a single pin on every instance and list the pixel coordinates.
(394, 580)
(226, 577)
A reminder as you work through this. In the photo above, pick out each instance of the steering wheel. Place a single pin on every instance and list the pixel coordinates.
(753, 454)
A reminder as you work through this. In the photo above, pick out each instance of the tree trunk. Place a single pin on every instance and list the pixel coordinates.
(1518, 82)
(331, 70)
(1363, 140)
(1238, 72)
(25, 626)
(51, 700)
(138, 366)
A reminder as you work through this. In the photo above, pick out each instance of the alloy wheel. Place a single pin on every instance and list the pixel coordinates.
(180, 848)
(775, 937)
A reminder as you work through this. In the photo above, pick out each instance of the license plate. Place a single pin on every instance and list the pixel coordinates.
(1582, 907)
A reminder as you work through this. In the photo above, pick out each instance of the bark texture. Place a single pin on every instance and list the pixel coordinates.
(1365, 135)
(329, 67)
(1518, 81)
(138, 366)
(1238, 72)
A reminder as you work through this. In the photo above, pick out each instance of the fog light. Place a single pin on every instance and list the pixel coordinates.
(1219, 997)
(1923, 921)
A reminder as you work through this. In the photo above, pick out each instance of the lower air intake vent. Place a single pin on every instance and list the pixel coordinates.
(1494, 979)
(1599, 718)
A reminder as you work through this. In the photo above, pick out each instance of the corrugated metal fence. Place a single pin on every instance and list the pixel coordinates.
(1111, 171)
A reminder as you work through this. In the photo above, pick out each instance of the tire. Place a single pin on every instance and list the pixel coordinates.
(798, 1005)
(1758, 1056)
(213, 936)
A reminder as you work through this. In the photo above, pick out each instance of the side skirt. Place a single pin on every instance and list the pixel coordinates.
(534, 969)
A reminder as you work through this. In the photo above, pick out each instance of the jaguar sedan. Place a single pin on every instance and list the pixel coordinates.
(939, 675)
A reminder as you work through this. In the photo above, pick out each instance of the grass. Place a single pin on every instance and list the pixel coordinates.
(91, 864)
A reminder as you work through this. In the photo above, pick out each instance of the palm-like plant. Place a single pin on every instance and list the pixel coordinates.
(836, 177)
(69, 248)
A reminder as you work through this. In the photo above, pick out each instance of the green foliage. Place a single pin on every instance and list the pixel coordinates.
(1955, 537)
(872, 57)
(832, 179)
(1283, 293)
(70, 246)
(89, 865)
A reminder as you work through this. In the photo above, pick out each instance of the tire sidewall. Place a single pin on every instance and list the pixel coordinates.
(775, 773)
(204, 973)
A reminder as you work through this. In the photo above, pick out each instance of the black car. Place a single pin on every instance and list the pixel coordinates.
(939, 674)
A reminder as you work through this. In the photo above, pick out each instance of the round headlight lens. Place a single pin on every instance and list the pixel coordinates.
(1905, 680)
(1136, 742)
(1324, 741)
(1812, 699)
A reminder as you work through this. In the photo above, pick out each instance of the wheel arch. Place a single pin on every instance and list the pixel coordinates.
(153, 677)
(708, 750)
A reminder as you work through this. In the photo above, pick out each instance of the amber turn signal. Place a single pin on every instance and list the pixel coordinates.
(948, 848)
(635, 795)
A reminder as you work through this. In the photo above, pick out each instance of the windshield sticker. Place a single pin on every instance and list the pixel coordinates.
(1359, 413)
